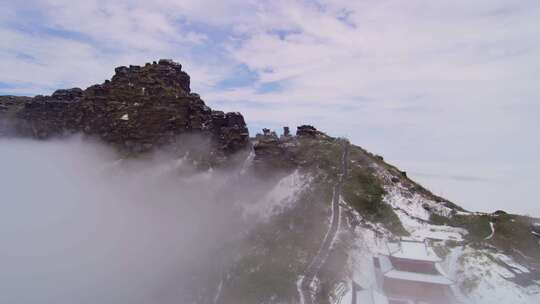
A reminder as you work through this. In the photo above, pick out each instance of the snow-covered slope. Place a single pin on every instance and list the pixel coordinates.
(481, 272)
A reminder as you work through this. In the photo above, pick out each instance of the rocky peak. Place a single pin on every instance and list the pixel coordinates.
(165, 76)
(140, 108)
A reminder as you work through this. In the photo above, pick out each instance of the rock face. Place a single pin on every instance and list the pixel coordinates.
(287, 152)
(138, 109)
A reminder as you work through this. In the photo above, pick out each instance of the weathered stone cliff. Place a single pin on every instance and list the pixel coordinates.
(139, 109)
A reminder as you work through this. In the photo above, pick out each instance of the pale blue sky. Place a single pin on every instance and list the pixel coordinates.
(447, 90)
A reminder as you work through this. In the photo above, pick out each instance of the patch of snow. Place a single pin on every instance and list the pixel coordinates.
(412, 204)
(510, 262)
(413, 210)
(482, 280)
(420, 230)
(299, 289)
(280, 197)
(247, 162)
(492, 231)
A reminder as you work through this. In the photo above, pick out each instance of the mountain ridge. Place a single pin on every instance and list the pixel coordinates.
(145, 109)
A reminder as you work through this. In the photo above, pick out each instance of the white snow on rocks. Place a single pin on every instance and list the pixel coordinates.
(411, 204)
(479, 279)
(411, 209)
(420, 231)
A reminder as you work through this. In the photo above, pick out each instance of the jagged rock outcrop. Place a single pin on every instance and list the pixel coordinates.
(307, 130)
(275, 154)
(138, 109)
(271, 152)
(286, 132)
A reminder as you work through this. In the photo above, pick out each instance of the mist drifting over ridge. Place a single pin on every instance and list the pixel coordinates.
(79, 225)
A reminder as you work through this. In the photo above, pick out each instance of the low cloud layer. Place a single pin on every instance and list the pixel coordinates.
(79, 226)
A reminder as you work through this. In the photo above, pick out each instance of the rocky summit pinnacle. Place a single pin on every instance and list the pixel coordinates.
(140, 108)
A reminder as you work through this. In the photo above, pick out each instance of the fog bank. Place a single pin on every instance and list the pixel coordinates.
(79, 226)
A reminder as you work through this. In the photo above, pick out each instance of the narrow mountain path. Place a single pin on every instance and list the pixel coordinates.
(304, 284)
